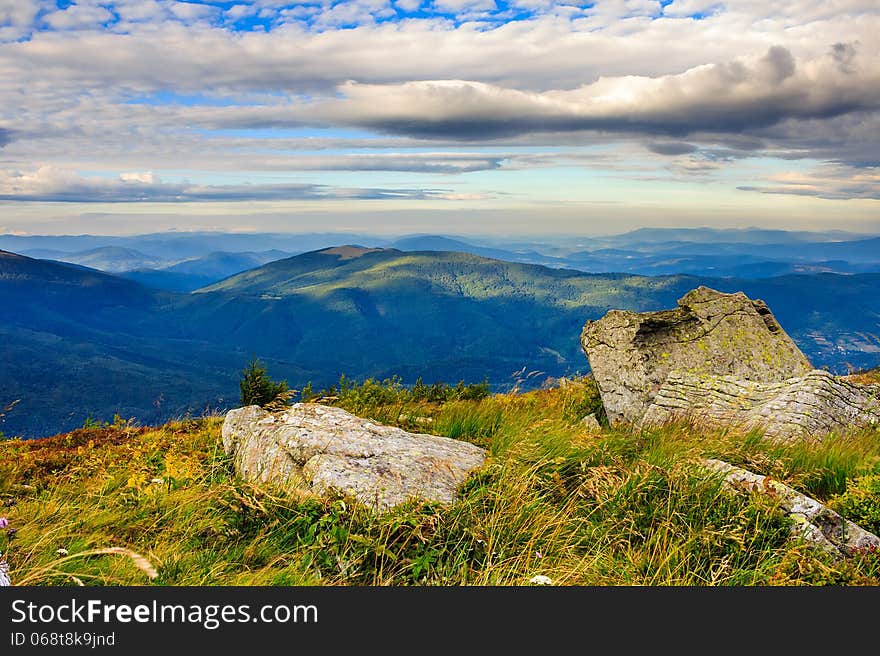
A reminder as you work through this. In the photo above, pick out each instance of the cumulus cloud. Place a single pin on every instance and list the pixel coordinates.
(51, 184)
(147, 177)
(688, 8)
(78, 16)
(730, 97)
(167, 86)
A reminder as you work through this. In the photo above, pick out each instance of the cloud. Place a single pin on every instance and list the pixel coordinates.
(671, 148)
(688, 8)
(51, 184)
(147, 177)
(76, 17)
(844, 54)
(780, 64)
(831, 182)
(732, 97)
(360, 86)
(414, 163)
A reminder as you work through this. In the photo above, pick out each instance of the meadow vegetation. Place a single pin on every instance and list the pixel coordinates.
(609, 507)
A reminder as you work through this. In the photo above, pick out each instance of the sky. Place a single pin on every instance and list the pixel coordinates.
(499, 117)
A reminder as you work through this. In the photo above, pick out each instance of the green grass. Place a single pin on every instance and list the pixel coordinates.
(614, 508)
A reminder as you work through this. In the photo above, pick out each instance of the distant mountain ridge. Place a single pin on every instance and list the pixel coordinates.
(724, 253)
(84, 343)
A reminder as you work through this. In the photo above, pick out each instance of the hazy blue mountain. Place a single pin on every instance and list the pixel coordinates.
(170, 281)
(75, 341)
(440, 243)
(648, 236)
(219, 265)
(749, 253)
(175, 246)
(113, 259)
(191, 274)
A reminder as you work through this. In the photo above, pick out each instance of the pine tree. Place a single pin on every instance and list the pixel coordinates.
(258, 389)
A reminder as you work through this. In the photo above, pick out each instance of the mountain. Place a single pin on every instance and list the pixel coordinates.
(221, 264)
(711, 236)
(734, 253)
(113, 259)
(193, 273)
(82, 342)
(175, 246)
(447, 244)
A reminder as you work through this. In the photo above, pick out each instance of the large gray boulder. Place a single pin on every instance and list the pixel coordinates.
(324, 449)
(710, 334)
(807, 406)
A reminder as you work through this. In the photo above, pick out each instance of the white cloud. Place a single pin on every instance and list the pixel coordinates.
(190, 11)
(408, 5)
(684, 8)
(831, 182)
(574, 74)
(147, 177)
(454, 6)
(728, 97)
(53, 184)
(77, 17)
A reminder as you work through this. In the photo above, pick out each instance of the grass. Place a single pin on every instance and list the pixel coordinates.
(614, 508)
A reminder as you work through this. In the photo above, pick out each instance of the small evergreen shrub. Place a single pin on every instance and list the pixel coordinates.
(257, 388)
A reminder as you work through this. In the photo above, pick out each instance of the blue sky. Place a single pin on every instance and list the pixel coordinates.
(457, 116)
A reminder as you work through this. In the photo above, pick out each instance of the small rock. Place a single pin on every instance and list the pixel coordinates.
(812, 521)
(591, 423)
(540, 579)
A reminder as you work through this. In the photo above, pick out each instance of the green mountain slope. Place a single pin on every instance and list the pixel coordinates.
(80, 342)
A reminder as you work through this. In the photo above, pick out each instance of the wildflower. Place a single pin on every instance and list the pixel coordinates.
(157, 481)
(540, 579)
(62, 551)
(4, 522)
(4, 574)
(538, 555)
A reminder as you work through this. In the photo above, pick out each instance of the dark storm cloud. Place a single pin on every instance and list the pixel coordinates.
(672, 148)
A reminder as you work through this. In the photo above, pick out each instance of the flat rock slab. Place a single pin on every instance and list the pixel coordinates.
(709, 334)
(813, 521)
(324, 449)
(807, 406)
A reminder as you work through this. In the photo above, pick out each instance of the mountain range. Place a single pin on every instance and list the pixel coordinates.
(76, 342)
(184, 262)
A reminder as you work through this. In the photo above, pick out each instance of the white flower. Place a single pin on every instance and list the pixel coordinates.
(61, 552)
(540, 579)
(157, 481)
